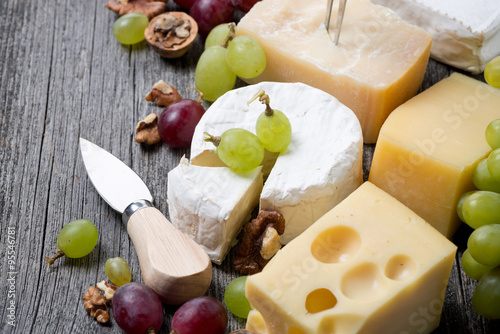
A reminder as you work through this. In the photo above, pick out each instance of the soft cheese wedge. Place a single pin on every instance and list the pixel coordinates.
(429, 147)
(323, 163)
(378, 64)
(211, 204)
(370, 265)
(466, 33)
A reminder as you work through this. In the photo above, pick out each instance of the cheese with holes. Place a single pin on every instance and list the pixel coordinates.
(430, 145)
(378, 64)
(466, 33)
(211, 204)
(370, 265)
(321, 166)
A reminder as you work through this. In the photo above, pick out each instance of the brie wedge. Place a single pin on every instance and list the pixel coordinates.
(211, 204)
(466, 33)
(323, 163)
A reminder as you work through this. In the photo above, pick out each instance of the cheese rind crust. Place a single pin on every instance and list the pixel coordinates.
(370, 265)
(378, 64)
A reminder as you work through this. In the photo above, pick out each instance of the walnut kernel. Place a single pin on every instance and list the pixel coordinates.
(163, 93)
(147, 130)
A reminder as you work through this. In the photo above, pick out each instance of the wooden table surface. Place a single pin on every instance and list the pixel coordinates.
(63, 75)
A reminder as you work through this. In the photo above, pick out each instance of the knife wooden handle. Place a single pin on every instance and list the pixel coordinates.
(172, 264)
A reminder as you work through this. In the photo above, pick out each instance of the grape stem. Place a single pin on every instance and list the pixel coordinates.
(264, 98)
(230, 36)
(50, 260)
(199, 92)
(211, 139)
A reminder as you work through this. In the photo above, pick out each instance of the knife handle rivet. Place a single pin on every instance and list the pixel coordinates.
(134, 207)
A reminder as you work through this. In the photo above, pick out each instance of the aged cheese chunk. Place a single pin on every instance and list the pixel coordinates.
(429, 146)
(211, 204)
(322, 164)
(466, 33)
(370, 265)
(378, 64)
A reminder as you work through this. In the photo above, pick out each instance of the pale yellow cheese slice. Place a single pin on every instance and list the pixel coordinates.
(378, 64)
(370, 265)
(430, 145)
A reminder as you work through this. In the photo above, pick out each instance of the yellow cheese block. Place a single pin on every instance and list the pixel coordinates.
(378, 64)
(429, 146)
(370, 265)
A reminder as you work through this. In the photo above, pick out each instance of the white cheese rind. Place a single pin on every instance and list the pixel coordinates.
(211, 204)
(323, 163)
(466, 33)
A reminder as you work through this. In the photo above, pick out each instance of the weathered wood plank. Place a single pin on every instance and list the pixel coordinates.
(63, 75)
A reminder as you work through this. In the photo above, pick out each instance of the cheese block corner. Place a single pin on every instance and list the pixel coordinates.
(429, 147)
(211, 204)
(378, 64)
(370, 265)
(466, 33)
(321, 166)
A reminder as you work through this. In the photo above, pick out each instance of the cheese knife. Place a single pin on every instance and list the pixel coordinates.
(172, 264)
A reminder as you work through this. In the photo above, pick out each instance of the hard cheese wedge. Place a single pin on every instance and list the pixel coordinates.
(466, 33)
(378, 64)
(370, 265)
(430, 145)
(211, 204)
(322, 164)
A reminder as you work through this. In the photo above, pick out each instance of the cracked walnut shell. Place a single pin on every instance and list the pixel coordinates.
(171, 34)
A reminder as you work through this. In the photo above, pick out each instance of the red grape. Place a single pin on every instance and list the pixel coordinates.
(210, 13)
(204, 315)
(137, 308)
(177, 122)
(186, 4)
(244, 5)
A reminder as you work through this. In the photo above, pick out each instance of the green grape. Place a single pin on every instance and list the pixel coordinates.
(492, 134)
(486, 298)
(129, 28)
(117, 271)
(273, 127)
(484, 245)
(494, 165)
(492, 72)
(76, 239)
(235, 299)
(217, 35)
(460, 203)
(212, 76)
(481, 208)
(239, 149)
(472, 268)
(482, 178)
(246, 57)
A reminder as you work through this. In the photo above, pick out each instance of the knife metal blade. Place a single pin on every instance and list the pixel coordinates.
(172, 264)
(108, 175)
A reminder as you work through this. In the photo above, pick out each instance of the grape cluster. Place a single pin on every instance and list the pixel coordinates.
(241, 150)
(227, 56)
(480, 209)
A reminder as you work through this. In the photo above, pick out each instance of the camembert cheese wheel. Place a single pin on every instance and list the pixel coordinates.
(321, 166)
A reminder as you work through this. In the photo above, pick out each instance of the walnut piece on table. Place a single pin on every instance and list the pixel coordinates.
(260, 242)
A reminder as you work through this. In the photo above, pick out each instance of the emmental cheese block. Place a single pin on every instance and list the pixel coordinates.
(321, 166)
(430, 145)
(370, 265)
(378, 64)
(466, 33)
(211, 204)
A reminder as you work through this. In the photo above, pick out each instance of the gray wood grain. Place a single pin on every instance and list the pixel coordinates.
(63, 75)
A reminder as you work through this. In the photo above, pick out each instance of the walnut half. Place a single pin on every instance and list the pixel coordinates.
(150, 8)
(260, 242)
